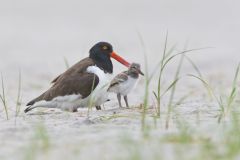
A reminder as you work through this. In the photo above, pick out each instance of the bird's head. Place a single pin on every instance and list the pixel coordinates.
(135, 68)
(103, 51)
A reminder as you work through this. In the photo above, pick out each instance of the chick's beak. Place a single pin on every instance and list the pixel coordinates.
(140, 72)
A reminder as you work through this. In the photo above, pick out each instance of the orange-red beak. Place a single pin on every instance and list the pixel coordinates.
(120, 59)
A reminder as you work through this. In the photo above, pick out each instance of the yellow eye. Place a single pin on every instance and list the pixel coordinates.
(104, 47)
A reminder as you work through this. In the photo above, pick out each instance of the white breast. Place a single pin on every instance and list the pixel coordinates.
(125, 87)
(99, 95)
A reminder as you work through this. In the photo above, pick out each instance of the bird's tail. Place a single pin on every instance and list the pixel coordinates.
(35, 103)
(41, 104)
(29, 108)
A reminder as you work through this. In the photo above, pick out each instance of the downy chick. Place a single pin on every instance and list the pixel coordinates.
(124, 82)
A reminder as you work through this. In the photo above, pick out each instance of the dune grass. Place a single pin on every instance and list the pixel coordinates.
(172, 93)
(158, 95)
(91, 98)
(166, 58)
(147, 80)
(231, 98)
(3, 98)
(18, 100)
(66, 62)
(225, 103)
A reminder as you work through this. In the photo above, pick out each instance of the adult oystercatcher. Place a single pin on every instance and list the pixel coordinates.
(124, 82)
(83, 84)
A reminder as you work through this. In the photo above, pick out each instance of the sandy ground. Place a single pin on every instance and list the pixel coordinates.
(36, 36)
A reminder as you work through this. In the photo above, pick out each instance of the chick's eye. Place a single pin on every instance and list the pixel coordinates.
(105, 48)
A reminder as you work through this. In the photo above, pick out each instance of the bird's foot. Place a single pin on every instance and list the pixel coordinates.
(70, 109)
(74, 110)
(98, 108)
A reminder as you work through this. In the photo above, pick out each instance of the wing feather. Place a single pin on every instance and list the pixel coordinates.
(121, 77)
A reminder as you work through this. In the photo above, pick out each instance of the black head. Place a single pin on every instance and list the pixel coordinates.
(101, 53)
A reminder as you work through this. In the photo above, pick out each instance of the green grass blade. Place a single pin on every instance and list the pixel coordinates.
(231, 98)
(181, 53)
(147, 82)
(3, 98)
(170, 86)
(18, 102)
(194, 66)
(173, 88)
(66, 62)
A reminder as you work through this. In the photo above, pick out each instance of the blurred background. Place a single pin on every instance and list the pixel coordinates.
(36, 36)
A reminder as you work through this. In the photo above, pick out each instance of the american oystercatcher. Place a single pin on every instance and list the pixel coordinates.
(124, 82)
(84, 83)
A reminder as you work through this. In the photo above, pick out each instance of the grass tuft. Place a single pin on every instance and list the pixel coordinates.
(225, 109)
(3, 98)
(18, 102)
(173, 89)
(225, 104)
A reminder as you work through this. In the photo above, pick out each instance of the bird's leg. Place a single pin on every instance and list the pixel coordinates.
(74, 110)
(126, 101)
(119, 100)
(98, 108)
(69, 108)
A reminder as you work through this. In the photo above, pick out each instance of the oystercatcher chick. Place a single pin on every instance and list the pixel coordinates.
(84, 83)
(124, 82)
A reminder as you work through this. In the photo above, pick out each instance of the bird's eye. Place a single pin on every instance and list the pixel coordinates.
(105, 48)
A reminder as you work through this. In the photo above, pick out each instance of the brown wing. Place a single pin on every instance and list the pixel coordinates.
(55, 80)
(73, 81)
(79, 67)
(121, 77)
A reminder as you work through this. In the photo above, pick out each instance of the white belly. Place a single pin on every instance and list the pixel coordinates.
(125, 88)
